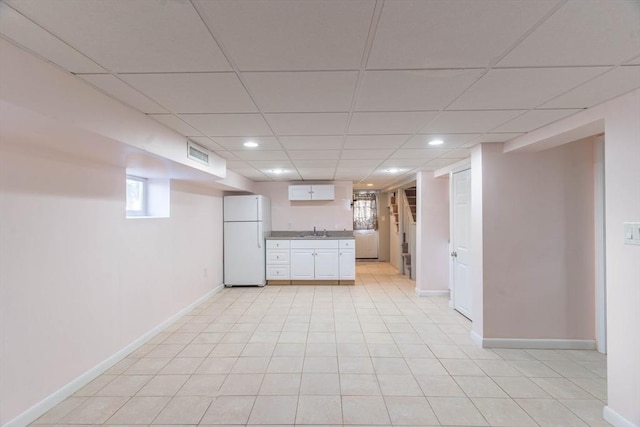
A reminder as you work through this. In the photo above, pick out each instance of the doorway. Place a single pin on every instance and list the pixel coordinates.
(460, 239)
(365, 224)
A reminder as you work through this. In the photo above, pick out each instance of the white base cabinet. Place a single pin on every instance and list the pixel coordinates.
(311, 259)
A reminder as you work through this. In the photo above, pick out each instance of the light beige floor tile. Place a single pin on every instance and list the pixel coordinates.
(598, 368)
(359, 385)
(258, 350)
(390, 366)
(121, 366)
(319, 410)
(208, 338)
(293, 337)
(202, 385)
(124, 385)
(414, 411)
(180, 338)
(285, 365)
(229, 410)
(589, 411)
(227, 350)
(520, 387)
(570, 369)
(547, 354)
(320, 384)
(413, 350)
(535, 369)
(426, 367)
(94, 410)
(352, 350)
(147, 366)
(281, 384)
(166, 350)
(368, 410)
(561, 388)
(383, 350)
(196, 350)
(503, 412)
(550, 413)
(184, 410)
(320, 365)
(436, 385)
(447, 351)
(139, 410)
(251, 365)
(96, 385)
(456, 411)
(289, 350)
(217, 365)
(462, 367)
(62, 409)
(321, 350)
(355, 365)
(274, 410)
(181, 365)
(594, 386)
(498, 368)
(241, 384)
(513, 354)
(163, 385)
(399, 385)
(480, 387)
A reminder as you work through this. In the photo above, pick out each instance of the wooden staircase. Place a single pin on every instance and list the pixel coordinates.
(411, 198)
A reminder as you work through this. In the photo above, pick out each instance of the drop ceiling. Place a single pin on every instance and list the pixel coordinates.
(335, 89)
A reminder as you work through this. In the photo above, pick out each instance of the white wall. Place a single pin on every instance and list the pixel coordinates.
(538, 243)
(303, 215)
(78, 281)
(432, 234)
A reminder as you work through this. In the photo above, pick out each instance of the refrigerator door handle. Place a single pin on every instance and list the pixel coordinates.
(259, 234)
(259, 222)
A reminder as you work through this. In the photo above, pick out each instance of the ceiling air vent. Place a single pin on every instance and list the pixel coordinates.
(197, 153)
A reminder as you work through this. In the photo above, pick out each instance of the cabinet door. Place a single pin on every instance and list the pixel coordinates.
(326, 264)
(347, 264)
(302, 264)
(322, 192)
(299, 192)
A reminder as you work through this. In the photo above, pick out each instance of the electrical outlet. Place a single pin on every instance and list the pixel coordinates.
(632, 233)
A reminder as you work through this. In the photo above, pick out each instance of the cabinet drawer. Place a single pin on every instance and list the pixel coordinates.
(277, 244)
(347, 244)
(277, 257)
(277, 272)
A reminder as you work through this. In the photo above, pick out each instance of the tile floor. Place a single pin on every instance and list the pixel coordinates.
(373, 354)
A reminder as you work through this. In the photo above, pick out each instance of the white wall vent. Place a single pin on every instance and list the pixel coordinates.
(197, 153)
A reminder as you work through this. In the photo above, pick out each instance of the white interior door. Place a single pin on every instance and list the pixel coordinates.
(461, 231)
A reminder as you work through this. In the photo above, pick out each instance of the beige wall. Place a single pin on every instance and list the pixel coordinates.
(78, 281)
(432, 233)
(537, 243)
(303, 215)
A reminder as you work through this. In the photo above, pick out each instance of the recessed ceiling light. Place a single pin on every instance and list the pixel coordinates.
(369, 185)
(277, 171)
(436, 142)
(393, 170)
(250, 144)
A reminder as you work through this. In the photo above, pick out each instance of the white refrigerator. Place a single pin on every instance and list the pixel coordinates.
(247, 221)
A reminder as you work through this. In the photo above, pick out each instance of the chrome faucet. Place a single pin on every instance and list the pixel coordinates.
(314, 230)
(325, 233)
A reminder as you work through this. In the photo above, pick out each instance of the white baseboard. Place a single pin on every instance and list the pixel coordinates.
(429, 293)
(37, 410)
(616, 419)
(548, 344)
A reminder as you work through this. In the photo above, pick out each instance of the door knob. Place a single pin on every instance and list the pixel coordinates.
(454, 254)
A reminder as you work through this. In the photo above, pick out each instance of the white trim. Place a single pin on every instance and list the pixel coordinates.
(453, 168)
(430, 293)
(600, 252)
(37, 410)
(615, 418)
(476, 338)
(551, 344)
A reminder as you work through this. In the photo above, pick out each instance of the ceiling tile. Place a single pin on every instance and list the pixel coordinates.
(609, 85)
(194, 92)
(389, 122)
(365, 154)
(439, 163)
(308, 123)
(403, 163)
(469, 121)
(176, 124)
(252, 174)
(417, 153)
(635, 61)
(238, 164)
(229, 124)
(458, 153)
(206, 143)
(492, 137)
(237, 143)
(288, 175)
(374, 141)
(131, 35)
(602, 32)
(352, 173)
(265, 165)
(358, 163)
(451, 140)
(22, 31)
(123, 92)
(315, 163)
(449, 34)
(261, 155)
(504, 89)
(284, 35)
(317, 173)
(533, 120)
(412, 89)
(226, 155)
(302, 91)
(314, 154)
(311, 142)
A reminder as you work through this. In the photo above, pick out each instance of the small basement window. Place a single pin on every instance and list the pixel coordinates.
(136, 196)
